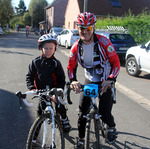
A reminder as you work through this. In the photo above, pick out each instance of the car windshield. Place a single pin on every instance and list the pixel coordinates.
(58, 29)
(75, 32)
(121, 38)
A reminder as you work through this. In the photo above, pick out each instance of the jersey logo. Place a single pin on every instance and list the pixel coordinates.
(110, 49)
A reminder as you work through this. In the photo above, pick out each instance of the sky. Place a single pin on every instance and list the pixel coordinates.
(27, 2)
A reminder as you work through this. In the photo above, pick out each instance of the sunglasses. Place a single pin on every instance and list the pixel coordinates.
(86, 28)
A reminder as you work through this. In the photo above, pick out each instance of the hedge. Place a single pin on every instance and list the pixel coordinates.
(138, 26)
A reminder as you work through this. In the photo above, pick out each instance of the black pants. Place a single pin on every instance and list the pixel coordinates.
(105, 107)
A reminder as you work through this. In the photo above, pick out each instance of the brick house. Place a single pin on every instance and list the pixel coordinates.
(103, 8)
(64, 12)
(55, 13)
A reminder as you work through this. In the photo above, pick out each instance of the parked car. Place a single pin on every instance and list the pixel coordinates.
(121, 42)
(138, 59)
(55, 31)
(1, 31)
(67, 37)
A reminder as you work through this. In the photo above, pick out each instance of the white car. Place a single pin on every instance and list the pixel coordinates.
(1, 31)
(55, 31)
(67, 37)
(138, 59)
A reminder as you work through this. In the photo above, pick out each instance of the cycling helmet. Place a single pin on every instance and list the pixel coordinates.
(47, 38)
(86, 19)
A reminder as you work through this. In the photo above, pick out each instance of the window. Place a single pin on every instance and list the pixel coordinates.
(74, 25)
(68, 24)
(115, 3)
(121, 38)
(148, 47)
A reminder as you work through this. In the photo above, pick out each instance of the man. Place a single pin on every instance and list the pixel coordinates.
(97, 56)
(27, 30)
(42, 30)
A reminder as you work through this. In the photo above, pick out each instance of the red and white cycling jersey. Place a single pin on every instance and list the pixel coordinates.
(106, 64)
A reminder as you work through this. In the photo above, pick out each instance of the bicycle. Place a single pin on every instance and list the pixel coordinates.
(46, 131)
(94, 123)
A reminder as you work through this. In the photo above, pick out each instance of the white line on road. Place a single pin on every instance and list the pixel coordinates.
(128, 92)
(144, 102)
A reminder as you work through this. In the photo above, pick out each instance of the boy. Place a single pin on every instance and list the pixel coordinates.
(46, 71)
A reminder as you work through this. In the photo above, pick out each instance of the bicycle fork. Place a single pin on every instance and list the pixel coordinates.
(94, 111)
(49, 108)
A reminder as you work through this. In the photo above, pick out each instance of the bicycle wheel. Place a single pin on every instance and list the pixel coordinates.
(36, 134)
(92, 136)
(103, 129)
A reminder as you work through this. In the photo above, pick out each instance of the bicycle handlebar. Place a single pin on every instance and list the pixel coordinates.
(54, 91)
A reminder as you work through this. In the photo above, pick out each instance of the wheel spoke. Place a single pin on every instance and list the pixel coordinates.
(35, 138)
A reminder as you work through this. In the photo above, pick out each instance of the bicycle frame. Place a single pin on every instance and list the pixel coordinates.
(93, 107)
(50, 109)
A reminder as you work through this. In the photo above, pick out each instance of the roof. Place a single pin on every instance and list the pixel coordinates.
(105, 8)
(53, 3)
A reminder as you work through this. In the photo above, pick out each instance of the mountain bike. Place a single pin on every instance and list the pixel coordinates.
(95, 126)
(46, 131)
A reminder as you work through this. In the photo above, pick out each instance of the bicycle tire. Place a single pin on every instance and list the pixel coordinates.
(103, 129)
(92, 133)
(34, 141)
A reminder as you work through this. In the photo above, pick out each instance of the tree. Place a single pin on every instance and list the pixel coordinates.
(21, 8)
(6, 11)
(27, 18)
(36, 11)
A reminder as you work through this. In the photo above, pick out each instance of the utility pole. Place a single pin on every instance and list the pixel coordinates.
(85, 5)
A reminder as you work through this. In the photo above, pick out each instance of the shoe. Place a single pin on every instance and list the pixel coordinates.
(80, 144)
(111, 135)
(66, 125)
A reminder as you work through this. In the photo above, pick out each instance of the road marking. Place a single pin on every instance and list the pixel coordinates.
(144, 102)
(65, 53)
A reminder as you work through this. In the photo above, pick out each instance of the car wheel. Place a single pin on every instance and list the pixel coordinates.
(131, 67)
(66, 45)
(59, 43)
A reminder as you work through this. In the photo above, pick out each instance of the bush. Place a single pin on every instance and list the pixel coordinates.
(138, 26)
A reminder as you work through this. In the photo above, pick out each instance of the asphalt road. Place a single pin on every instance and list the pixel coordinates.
(132, 114)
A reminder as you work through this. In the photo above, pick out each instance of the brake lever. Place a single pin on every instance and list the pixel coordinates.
(20, 96)
(36, 96)
(68, 93)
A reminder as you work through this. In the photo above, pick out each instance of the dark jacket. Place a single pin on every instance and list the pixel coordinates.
(45, 71)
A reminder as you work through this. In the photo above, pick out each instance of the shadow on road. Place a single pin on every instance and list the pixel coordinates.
(11, 52)
(19, 40)
(145, 76)
(131, 144)
(14, 123)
